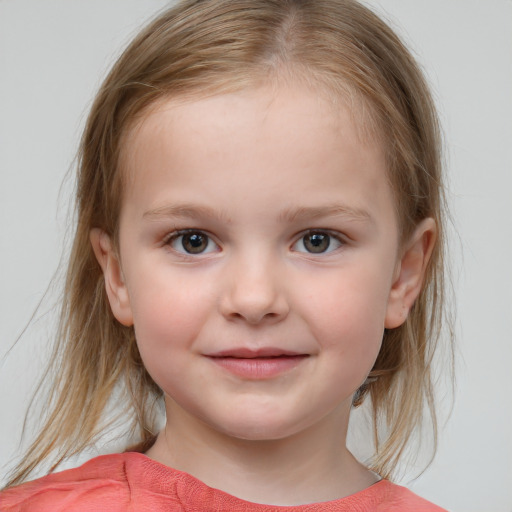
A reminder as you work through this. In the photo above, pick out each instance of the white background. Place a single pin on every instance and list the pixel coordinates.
(53, 54)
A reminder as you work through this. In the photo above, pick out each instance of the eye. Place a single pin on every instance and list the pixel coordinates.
(317, 242)
(192, 242)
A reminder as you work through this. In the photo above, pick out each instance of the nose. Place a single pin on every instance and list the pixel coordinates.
(254, 292)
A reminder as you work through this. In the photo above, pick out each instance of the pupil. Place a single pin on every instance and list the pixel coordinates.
(194, 243)
(316, 242)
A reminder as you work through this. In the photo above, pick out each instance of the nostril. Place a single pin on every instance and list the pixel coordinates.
(253, 297)
(255, 316)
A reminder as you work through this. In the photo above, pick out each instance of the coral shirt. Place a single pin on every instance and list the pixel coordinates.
(133, 482)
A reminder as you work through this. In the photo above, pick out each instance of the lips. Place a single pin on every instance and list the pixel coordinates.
(247, 353)
(263, 363)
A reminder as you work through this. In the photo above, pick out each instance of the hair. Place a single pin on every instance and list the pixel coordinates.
(206, 47)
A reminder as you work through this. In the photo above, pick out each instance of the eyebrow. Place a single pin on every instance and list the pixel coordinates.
(332, 210)
(290, 215)
(187, 211)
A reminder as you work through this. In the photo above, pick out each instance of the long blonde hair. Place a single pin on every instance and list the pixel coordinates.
(206, 47)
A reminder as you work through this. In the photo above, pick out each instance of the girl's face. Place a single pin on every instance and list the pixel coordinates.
(259, 259)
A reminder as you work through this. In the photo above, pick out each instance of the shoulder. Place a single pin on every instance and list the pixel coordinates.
(100, 484)
(133, 482)
(398, 499)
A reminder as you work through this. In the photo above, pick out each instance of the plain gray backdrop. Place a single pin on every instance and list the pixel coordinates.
(53, 54)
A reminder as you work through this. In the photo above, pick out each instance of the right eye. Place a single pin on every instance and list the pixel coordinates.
(191, 241)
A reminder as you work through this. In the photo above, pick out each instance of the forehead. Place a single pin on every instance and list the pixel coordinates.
(264, 139)
(341, 100)
(338, 105)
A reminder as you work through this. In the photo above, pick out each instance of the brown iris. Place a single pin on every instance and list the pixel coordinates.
(195, 242)
(316, 242)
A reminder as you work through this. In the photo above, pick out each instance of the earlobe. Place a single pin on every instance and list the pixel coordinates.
(410, 273)
(115, 286)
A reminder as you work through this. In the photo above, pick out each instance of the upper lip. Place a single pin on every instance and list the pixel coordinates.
(248, 353)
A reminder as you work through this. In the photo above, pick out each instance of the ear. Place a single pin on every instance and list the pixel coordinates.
(114, 281)
(410, 273)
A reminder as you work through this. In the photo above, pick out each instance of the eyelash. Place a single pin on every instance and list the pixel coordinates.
(173, 238)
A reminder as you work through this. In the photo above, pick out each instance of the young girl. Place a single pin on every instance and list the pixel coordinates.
(259, 247)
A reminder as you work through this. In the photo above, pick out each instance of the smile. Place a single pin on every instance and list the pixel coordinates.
(257, 364)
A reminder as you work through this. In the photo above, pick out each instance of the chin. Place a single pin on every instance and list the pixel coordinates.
(260, 429)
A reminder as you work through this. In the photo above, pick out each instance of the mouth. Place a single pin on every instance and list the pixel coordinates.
(260, 364)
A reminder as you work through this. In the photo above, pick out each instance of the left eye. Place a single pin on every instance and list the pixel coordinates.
(317, 242)
(192, 242)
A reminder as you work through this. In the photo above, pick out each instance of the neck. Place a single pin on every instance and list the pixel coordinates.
(308, 467)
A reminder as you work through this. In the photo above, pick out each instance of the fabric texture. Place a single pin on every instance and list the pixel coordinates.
(134, 482)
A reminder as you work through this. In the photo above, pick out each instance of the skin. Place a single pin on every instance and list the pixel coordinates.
(256, 174)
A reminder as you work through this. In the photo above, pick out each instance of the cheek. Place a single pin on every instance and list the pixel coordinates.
(347, 314)
(168, 314)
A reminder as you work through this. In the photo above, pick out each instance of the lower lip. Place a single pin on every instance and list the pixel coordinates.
(258, 367)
